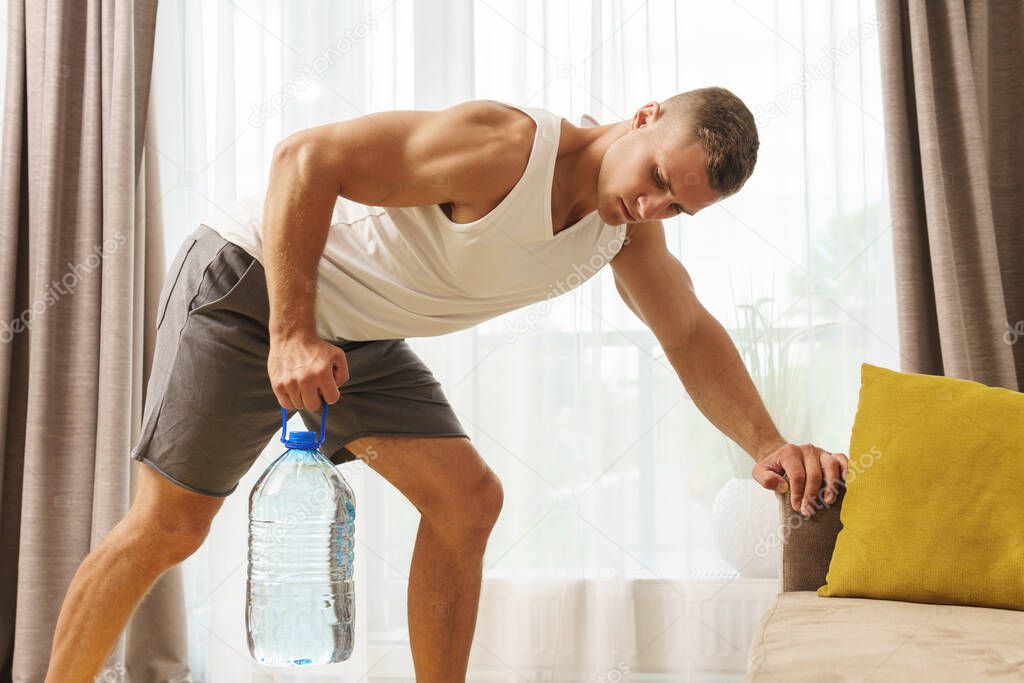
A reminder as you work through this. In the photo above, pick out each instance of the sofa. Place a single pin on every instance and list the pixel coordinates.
(804, 637)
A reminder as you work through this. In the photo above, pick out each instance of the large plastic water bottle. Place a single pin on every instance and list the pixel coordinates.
(300, 602)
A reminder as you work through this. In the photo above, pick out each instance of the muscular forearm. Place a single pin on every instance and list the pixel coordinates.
(714, 375)
(296, 218)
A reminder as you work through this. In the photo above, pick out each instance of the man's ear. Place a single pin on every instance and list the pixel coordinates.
(647, 114)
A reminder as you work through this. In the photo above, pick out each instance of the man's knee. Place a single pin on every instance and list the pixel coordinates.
(445, 478)
(486, 502)
(166, 522)
(468, 516)
(161, 542)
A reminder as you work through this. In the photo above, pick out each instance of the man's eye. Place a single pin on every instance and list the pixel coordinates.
(657, 177)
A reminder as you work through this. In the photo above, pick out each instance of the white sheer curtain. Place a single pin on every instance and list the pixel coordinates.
(604, 564)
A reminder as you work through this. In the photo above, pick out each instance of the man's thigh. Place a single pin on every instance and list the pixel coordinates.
(390, 392)
(432, 472)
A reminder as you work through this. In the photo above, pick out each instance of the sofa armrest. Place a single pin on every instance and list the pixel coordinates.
(807, 544)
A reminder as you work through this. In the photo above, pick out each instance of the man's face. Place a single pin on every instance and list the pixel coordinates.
(638, 168)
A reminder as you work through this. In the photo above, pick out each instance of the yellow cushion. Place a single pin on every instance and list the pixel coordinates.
(934, 504)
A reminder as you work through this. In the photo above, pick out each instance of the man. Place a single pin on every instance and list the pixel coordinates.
(402, 224)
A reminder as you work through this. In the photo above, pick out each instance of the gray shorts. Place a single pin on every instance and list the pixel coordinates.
(210, 410)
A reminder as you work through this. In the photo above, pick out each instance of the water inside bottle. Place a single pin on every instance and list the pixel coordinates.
(300, 598)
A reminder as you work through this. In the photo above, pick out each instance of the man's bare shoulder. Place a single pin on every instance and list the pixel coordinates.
(491, 150)
(466, 155)
(494, 117)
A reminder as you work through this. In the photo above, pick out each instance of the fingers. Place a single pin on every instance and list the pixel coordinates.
(340, 370)
(804, 472)
(812, 468)
(296, 395)
(793, 463)
(306, 374)
(280, 394)
(844, 464)
(321, 387)
(330, 394)
(329, 389)
(334, 377)
(770, 480)
(311, 398)
(832, 469)
(287, 395)
(806, 467)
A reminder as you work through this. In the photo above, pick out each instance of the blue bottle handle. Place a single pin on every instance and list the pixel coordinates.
(323, 423)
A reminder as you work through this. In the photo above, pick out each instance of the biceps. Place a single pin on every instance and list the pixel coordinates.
(627, 299)
(664, 298)
(366, 159)
(678, 309)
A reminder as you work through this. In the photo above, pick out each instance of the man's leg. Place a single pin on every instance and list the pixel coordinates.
(459, 499)
(165, 524)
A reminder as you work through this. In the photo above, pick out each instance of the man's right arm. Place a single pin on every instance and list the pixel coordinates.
(384, 159)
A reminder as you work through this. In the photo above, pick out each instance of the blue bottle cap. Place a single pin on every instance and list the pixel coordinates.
(306, 441)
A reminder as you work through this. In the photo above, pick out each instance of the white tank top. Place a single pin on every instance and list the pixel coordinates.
(393, 273)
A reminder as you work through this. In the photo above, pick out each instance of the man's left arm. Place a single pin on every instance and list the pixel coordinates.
(656, 286)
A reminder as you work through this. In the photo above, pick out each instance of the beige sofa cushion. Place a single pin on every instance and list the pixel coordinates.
(804, 637)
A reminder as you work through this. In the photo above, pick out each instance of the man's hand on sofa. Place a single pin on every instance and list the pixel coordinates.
(804, 467)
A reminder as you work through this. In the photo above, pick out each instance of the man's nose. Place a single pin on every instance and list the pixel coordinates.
(650, 207)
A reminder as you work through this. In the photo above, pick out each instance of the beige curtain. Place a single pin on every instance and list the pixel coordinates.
(78, 277)
(954, 115)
